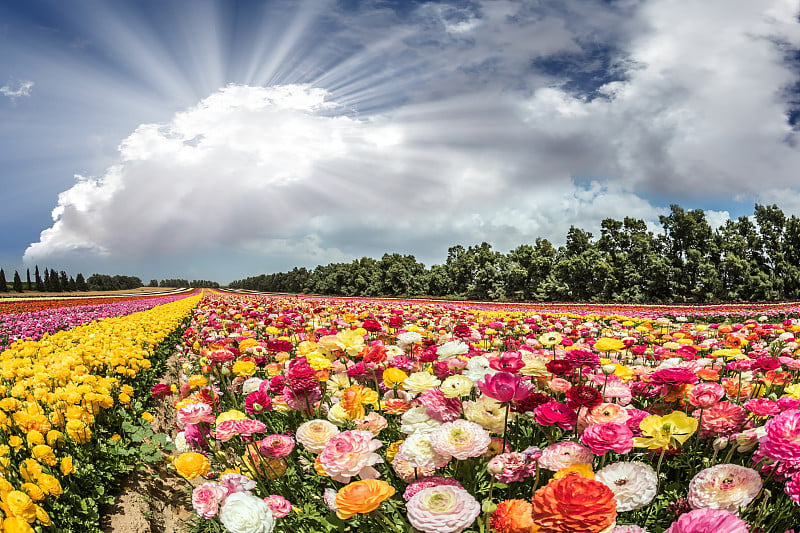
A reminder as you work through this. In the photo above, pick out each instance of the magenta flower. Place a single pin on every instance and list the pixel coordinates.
(505, 387)
(276, 446)
(704, 520)
(607, 436)
(781, 442)
(705, 395)
(555, 413)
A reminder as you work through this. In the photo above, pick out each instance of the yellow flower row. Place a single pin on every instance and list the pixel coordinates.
(53, 389)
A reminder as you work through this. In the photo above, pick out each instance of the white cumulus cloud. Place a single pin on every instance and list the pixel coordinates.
(20, 89)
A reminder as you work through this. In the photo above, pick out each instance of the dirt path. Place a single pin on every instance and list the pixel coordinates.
(152, 500)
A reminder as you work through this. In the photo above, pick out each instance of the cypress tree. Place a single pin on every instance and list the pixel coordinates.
(30, 285)
(17, 282)
(80, 283)
(48, 285)
(54, 283)
(39, 282)
(3, 283)
(63, 281)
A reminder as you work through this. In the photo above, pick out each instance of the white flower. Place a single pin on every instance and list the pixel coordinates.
(242, 512)
(477, 368)
(634, 484)
(408, 337)
(416, 420)
(419, 453)
(180, 443)
(251, 385)
(451, 349)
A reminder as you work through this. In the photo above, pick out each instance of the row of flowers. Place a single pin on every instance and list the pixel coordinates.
(66, 402)
(34, 324)
(307, 414)
(11, 305)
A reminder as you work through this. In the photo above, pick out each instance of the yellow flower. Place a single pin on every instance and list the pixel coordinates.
(66, 466)
(244, 368)
(49, 485)
(33, 491)
(551, 338)
(394, 377)
(78, 431)
(623, 372)
(197, 381)
(15, 442)
(44, 454)
(20, 505)
(231, 414)
(580, 469)
(54, 438)
(792, 391)
(42, 516)
(663, 431)
(15, 524)
(609, 344)
(148, 416)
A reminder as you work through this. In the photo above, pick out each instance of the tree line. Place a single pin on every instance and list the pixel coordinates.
(53, 281)
(748, 259)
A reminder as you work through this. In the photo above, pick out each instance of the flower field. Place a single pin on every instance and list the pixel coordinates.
(32, 319)
(318, 414)
(71, 412)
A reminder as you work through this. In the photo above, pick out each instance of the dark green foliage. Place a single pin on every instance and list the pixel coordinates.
(687, 262)
(3, 282)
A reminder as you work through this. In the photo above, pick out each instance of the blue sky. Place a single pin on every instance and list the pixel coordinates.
(218, 140)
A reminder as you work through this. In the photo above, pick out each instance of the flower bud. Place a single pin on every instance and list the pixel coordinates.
(720, 443)
(488, 506)
(609, 369)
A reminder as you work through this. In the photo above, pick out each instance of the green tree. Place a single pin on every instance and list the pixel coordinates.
(38, 280)
(29, 283)
(3, 282)
(17, 282)
(80, 283)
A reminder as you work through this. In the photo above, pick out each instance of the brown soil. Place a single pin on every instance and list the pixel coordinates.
(152, 499)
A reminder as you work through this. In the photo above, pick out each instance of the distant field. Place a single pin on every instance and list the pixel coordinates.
(85, 294)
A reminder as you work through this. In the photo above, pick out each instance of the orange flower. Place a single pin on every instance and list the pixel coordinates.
(574, 503)
(362, 497)
(708, 374)
(191, 464)
(512, 516)
(578, 469)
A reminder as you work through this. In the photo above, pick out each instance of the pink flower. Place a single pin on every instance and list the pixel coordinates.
(628, 529)
(207, 497)
(349, 454)
(704, 520)
(276, 446)
(635, 417)
(460, 439)
(512, 466)
(781, 442)
(226, 430)
(551, 413)
(705, 395)
(722, 419)
(724, 486)
(505, 387)
(425, 482)
(673, 376)
(793, 489)
(442, 509)
(603, 413)
(762, 407)
(257, 402)
(373, 422)
(438, 407)
(601, 438)
(279, 505)
(194, 413)
(234, 482)
(563, 454)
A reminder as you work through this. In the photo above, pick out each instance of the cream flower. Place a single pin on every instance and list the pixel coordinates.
(420, 382)
(456, 386)
(419, 452)
(451, 349)
(416, 420)
(314, 434)
(461, 439)
(489, 413)
(634, 484)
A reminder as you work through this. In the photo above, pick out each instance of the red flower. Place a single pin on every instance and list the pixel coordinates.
(583, 396)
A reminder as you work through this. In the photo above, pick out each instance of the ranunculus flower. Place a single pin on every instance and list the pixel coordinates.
(505, 387)
(315, 434)
(633, 483)
(563, 454)
(511, 466)
(673, 376)
(276, 446)
(574, 503)
(662, 431)
(705, 520)
(237, 482)
(279, 505)
(601, 438)
(705, 395)
(583, 396)
(555, 413)
(442, 509)
(724, 486)
(362, 497)
(207, 497)
(429, 481)
(722, 419)
(512, 516)
(349, 454)
(191, 465)
(244, 513)
(781, 442)
(460, 439)
(194, 413)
